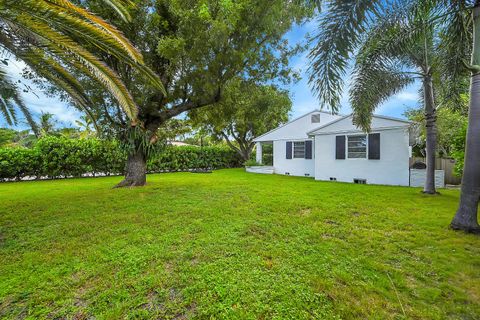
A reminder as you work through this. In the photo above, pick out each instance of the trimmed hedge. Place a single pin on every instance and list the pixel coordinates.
(56, 157)
(190, 157)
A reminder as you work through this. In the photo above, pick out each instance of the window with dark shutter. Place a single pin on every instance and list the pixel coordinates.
(357, 146)
(374, 146)
(299, 150)
(340, 147)
(308, 149)
(289, 149)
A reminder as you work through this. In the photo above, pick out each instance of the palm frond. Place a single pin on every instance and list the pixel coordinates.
(55, 73)
(373, 84)
(62, 15)
(64, 47)
(121, 7)
(26, 113)
(10, 99)
(7, 110)
(60, 28)
(454, 50)
(340, 32)
(395, 37)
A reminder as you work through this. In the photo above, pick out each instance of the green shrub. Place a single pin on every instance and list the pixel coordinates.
(17, 163)
(190, 157)
(458, 149)
(56, 157)
(63, 157)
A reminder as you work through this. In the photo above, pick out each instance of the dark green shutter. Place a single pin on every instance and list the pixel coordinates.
(374, 146)
(308, 149)
(289, 149)
(340, 147)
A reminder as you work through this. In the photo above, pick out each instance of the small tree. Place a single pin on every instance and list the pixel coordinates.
(247, 111)
(46, 124)
(450, 124)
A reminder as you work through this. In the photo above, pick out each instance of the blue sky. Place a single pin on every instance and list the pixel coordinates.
(304, 100)
(302, 97)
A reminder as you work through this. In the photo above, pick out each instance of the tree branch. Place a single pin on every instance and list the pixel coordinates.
(231, 145)
(190, 105)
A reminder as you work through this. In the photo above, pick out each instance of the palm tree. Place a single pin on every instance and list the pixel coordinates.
(344, 22)
(51, 36)
(397, 51)
(10, 99)
(466, 216)
(87, 127)
(46, 124)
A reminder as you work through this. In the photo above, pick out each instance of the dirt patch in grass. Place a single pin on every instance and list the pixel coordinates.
(189, 312)
(255, 230)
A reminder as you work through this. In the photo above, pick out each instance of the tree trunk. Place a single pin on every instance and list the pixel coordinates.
(431, 128)
(135, 170)
(246, 154)
(466, 217)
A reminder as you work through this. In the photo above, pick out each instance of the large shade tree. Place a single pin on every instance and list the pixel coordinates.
(51, 37)
(247, 111)
(343, 24)
(195, 48)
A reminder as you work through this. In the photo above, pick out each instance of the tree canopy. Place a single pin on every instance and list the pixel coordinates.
(195, 48)
(246, 111)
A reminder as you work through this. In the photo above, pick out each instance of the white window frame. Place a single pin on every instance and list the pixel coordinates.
(293, 149)
(347, 145)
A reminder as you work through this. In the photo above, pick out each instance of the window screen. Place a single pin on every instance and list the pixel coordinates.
(357, 147)
(299, 149)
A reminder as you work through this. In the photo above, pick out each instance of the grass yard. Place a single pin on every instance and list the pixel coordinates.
(232, 245)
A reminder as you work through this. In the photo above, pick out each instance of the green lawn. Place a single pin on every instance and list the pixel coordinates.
(232, 245)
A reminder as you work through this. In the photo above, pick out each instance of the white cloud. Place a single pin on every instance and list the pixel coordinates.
(62, 112)
(407, 96)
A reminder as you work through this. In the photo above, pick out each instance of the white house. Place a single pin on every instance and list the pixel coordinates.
(330, 147)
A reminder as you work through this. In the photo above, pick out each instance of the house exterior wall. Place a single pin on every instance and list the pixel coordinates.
(294, 166)
(345, 124)
(391, 169)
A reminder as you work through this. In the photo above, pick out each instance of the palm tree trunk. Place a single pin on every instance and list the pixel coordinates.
(135, 170)
(466, 217)
(431, 128)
